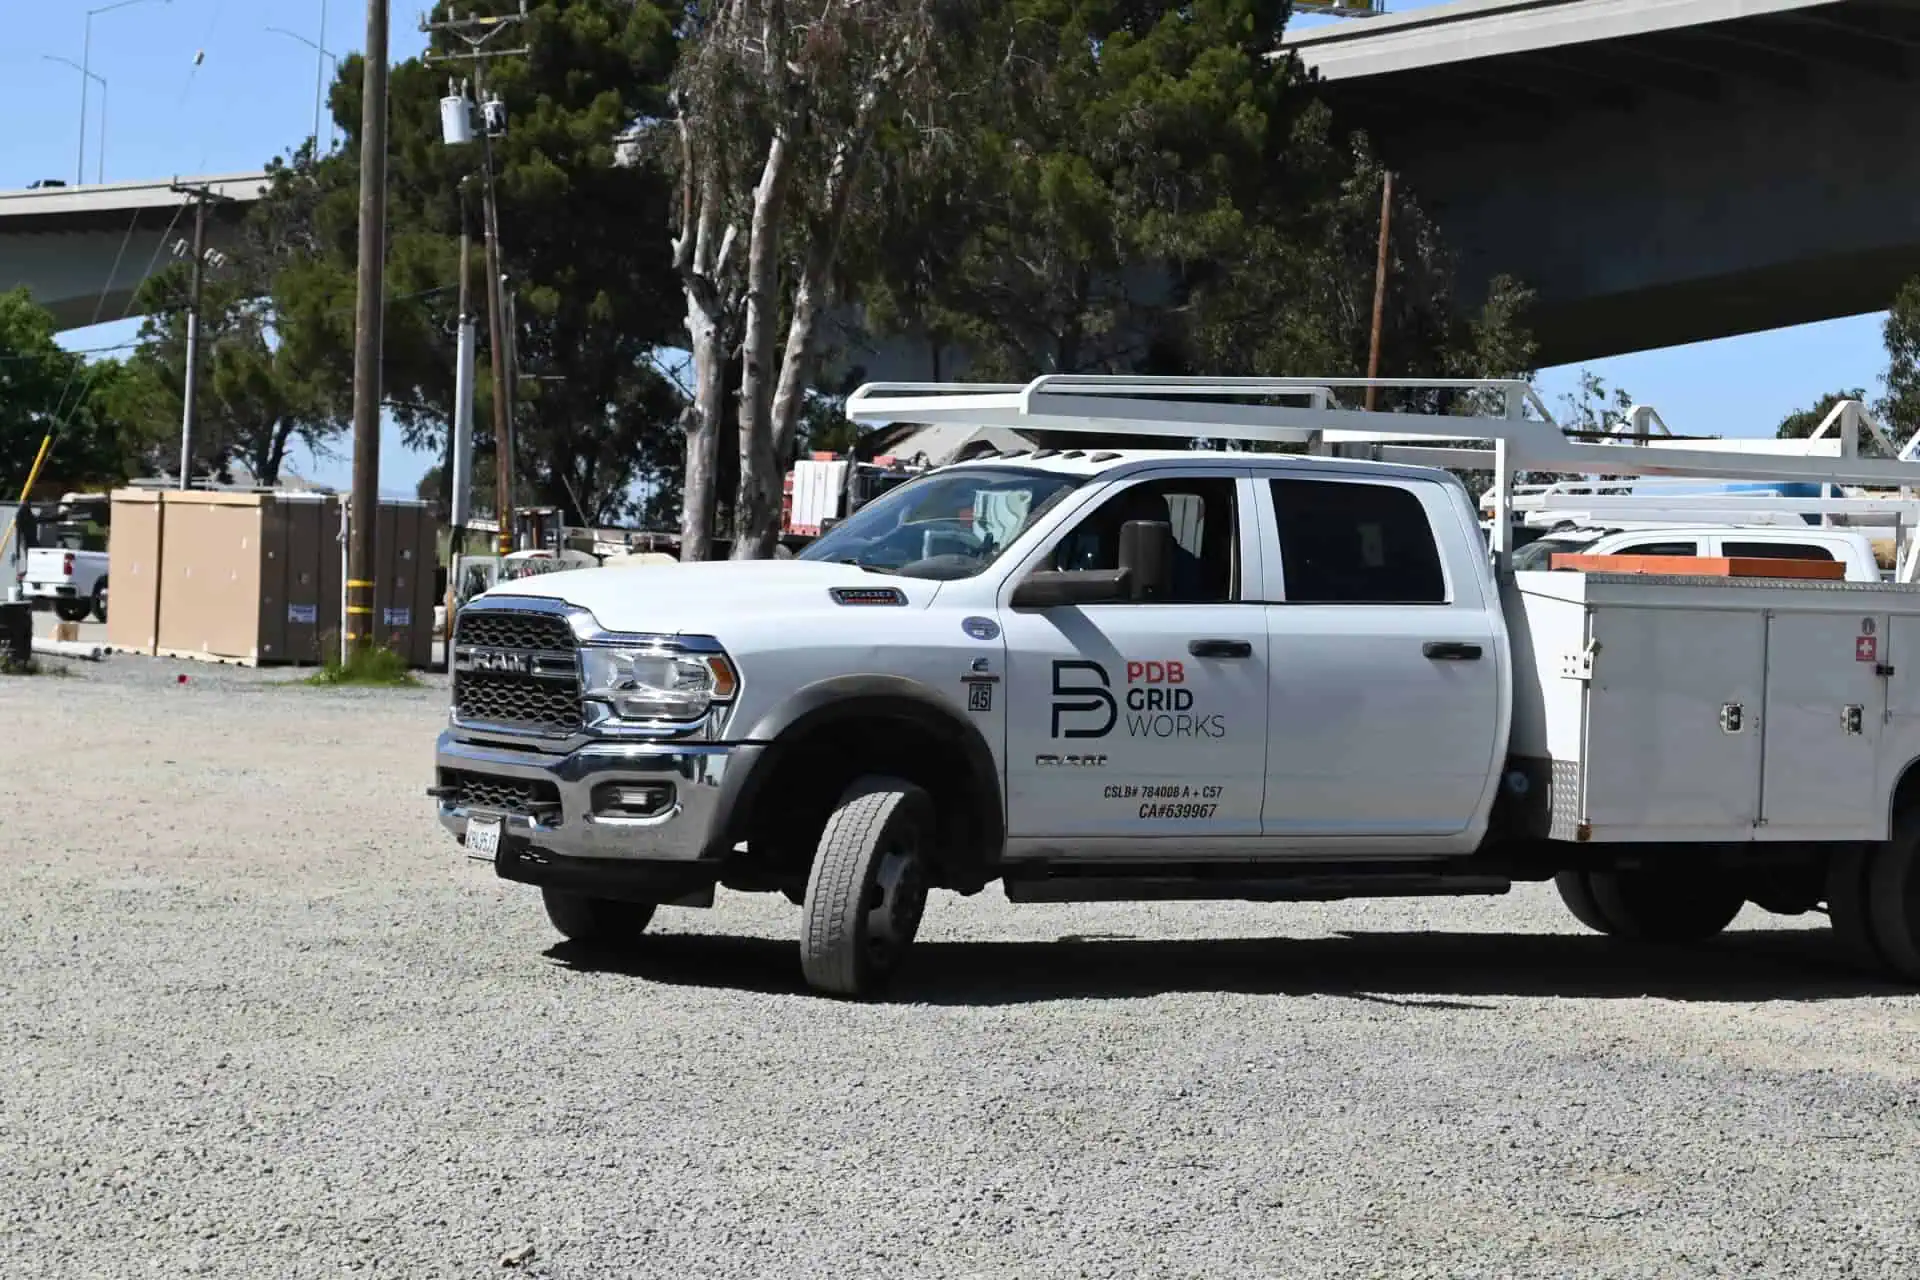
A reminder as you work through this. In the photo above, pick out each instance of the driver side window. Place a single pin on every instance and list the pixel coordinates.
(1206, 535)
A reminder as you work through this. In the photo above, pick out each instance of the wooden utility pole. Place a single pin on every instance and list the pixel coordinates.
(369, 313)
(201, 196)
(497, 350)
(1379, 286)
(191, 383)
(475, 32)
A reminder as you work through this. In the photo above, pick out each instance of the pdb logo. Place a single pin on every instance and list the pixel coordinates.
(1074, 696)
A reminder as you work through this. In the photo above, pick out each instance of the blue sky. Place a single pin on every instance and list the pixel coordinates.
(251, 97)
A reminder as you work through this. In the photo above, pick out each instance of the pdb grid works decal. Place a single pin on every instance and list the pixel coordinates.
(1155, 702)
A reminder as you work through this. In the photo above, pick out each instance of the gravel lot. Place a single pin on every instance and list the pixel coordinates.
(260, 1020)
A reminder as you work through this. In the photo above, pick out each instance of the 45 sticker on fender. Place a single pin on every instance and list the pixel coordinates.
(1157, 703)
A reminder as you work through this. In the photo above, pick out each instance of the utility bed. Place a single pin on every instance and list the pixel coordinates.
(1707, 709)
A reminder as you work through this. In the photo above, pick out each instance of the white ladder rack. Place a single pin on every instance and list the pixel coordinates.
(1308, 412)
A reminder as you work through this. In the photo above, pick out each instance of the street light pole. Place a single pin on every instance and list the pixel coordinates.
(86, 72)
(323, 56)
(86, 75)
(86, 60)
(320, 76)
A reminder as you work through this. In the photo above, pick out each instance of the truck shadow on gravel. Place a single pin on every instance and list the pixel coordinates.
(1414, 970)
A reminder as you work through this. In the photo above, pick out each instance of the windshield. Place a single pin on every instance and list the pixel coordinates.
(949, 524)
(1539, 553)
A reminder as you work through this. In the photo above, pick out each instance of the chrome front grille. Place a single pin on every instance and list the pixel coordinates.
(516, 670)
(513, 629)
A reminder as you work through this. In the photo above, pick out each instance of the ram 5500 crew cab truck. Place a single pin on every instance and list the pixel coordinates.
(1108, 674)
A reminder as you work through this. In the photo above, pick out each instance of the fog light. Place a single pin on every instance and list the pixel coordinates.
(632, 799)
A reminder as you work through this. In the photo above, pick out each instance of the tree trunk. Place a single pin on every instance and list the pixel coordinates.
(756, 511)
(700, 254)
(703, 427)
(816, 282)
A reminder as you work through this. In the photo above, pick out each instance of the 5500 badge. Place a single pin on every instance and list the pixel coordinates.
(1158, 703)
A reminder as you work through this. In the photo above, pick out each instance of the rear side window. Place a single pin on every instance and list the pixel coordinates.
(1776, 550)
(1658, 549)
(1348, 543)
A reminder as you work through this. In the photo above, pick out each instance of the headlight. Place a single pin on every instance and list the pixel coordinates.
(646, 684)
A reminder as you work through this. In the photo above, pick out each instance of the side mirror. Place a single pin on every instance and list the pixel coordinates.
(1146, 554)
(1049, 588)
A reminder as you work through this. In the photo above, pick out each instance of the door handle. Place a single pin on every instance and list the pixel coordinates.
(1451, 651)
(1220, 648)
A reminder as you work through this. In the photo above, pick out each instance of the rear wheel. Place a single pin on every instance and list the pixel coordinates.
(1847, 910)
(1893, 899)
(597, 922)
(868, 888)
(99, 606)
(1664, 904)
(73, 610)
(1577, 893)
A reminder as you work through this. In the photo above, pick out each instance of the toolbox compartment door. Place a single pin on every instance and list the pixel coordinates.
(1673, 739)
(1826, 706)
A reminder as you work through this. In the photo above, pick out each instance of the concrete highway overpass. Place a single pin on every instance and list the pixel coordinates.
(1660, 171)
(83, 251)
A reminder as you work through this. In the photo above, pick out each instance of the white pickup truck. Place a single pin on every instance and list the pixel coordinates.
(71, 578)
(1102, 674)
(1754, 542)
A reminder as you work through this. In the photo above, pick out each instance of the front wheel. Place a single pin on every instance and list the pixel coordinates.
(597, 922)
(868, 888)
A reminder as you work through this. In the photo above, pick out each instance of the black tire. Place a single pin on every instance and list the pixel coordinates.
(868, 888)
(601, 923)
(1847, 906)
(1577, 893)
(1893, 899)
(99, 608)
(73, 610)
(1647, 905)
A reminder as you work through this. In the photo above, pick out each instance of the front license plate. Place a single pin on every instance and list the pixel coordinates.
(483, 837)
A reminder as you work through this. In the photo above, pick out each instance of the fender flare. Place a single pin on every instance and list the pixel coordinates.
(847, 697)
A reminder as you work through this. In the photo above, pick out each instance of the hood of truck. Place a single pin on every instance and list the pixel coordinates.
(698, 599)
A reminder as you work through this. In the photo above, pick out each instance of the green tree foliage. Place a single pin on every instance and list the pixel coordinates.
(44, 388)
(1593, 407)
(591, 285)
(1157, 188)
(1899, 409)
(255, 396)
(1802, 423)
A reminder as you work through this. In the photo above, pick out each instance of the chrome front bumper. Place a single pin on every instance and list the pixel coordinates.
(688, 830)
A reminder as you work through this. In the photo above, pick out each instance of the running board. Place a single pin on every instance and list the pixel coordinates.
(1311, 887)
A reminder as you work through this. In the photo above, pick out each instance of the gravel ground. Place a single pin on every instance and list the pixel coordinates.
(260, 1019)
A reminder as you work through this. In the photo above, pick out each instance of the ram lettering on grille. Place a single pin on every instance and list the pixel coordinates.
(515, 671)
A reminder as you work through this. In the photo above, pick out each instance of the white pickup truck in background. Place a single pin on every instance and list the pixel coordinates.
(1098, 674)
(1802, 542)
(72, 580)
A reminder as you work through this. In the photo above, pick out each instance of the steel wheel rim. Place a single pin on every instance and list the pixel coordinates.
(895, 900)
